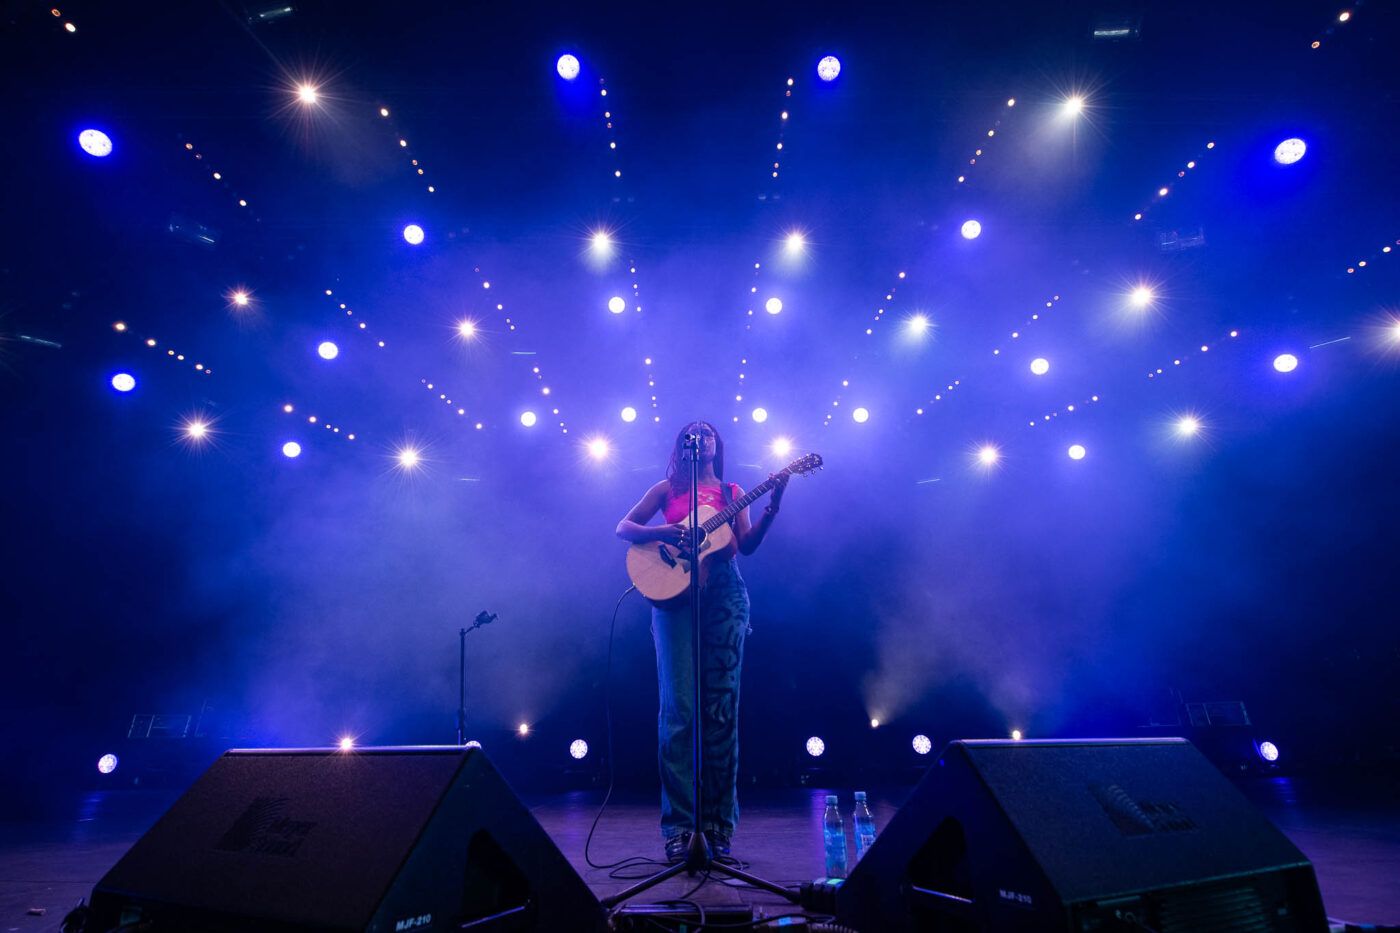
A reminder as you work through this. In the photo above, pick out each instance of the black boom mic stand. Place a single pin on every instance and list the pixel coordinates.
(698, 858)
(482, 618)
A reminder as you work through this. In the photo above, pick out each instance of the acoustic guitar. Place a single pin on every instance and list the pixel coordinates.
(661, 570)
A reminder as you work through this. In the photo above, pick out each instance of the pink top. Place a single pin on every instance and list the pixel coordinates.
(678, 507)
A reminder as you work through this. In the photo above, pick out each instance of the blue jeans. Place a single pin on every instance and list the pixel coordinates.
(724, 622)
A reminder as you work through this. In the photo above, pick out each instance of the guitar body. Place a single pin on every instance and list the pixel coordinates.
(661, 570)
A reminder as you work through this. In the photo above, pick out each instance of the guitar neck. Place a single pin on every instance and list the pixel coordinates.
(738, 505)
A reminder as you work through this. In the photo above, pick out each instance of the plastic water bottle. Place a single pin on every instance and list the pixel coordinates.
(834, 837)
(863, 824)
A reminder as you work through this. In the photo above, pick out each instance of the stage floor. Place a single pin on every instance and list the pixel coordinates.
(1349, 829)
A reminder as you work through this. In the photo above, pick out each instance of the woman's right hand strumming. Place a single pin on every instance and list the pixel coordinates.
(674, 533)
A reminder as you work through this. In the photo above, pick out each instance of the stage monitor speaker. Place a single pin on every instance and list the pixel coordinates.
(1093, 835)
(374, 839)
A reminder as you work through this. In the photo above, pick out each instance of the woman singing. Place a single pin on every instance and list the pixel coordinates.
(724, 621)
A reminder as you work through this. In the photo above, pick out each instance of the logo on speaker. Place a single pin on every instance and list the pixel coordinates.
(263, 829)
(413, 923)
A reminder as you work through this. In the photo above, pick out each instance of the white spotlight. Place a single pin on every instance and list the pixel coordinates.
(795, 243)
(307, 94)
(971, 229)
(917, 325)
(598, 448)
(523, 729)
(1016, 735)
(408, 458)
(346, 743)
(988, 455)
(1187, 426)
(601, 244)
(467, 328)
(95, 143)
(781, 447)
(1076, 451)
(567, 66)
(815, 746)
(328, 350)
(1074, 106)
(773, 305)
(528, 418)
(1290, 151)
(1040, 366)
(617, 304)
(923, 744)
(291, 449)
(413, 234)
(196, 430)
(860, 416)
(240, 299)
(828, 68)
(1268, 751)
(578, 749)
(123, 382)
(1285, 362)
(874, 723)
(760, 415)
(629, 414)
(1141, 296)
(107, 763)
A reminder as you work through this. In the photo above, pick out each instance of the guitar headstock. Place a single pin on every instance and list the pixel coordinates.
(802, 465)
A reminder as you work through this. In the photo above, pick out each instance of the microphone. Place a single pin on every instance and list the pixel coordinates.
(483, 618)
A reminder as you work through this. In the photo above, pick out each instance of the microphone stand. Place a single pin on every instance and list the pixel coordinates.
(482, 618)
(698, 857)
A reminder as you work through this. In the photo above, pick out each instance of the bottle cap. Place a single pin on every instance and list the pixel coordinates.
(860, 795)
(830, 799)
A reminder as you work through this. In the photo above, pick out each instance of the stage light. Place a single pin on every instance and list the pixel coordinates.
(1076, 451)
(773, 305)
(307, 94)
(523, 729)
(1141, 296)
(240, 299)
(860, 416)
(346, 743)
(598, 448)
(781, 447)
(923, 744)
(123, 382)
(760, 415)
(815, 746)
(828, 68)
(1268, 751)
(466, 329)
(408, 457)
(600, 245)
(617, 304)
(988, 455)
(567, 66)
(413, 234)
(528, 418)
(328, 350)
(795, 243)
(874, 723)
(629, 414)
(95, 143)
(196, 430)
(1285, 362)
(578, 748)
(471, 743)
(107, 763)
(1040, 366)
(1073, 106)
(291, 449)
(1016, 735)
(1187, 426)
(1290, 151)
(971, 229)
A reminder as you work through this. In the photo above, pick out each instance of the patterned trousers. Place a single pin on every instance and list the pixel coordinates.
(724, 623)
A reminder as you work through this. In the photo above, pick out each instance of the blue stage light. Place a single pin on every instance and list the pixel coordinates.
(971, 229)
(1268, 751)
(815, 746)
(123, 382)
(291, 449)
(781, 447)
(923, 744)
(413, 234)
(328, 350)
(1073, 106)
(1285, 362)
(598, 448)
(107, 763)
(828, 68)
(578, 748)
(1290, 151)
(567, 66)
(471, 743)
(95, 143)
(988, 455)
